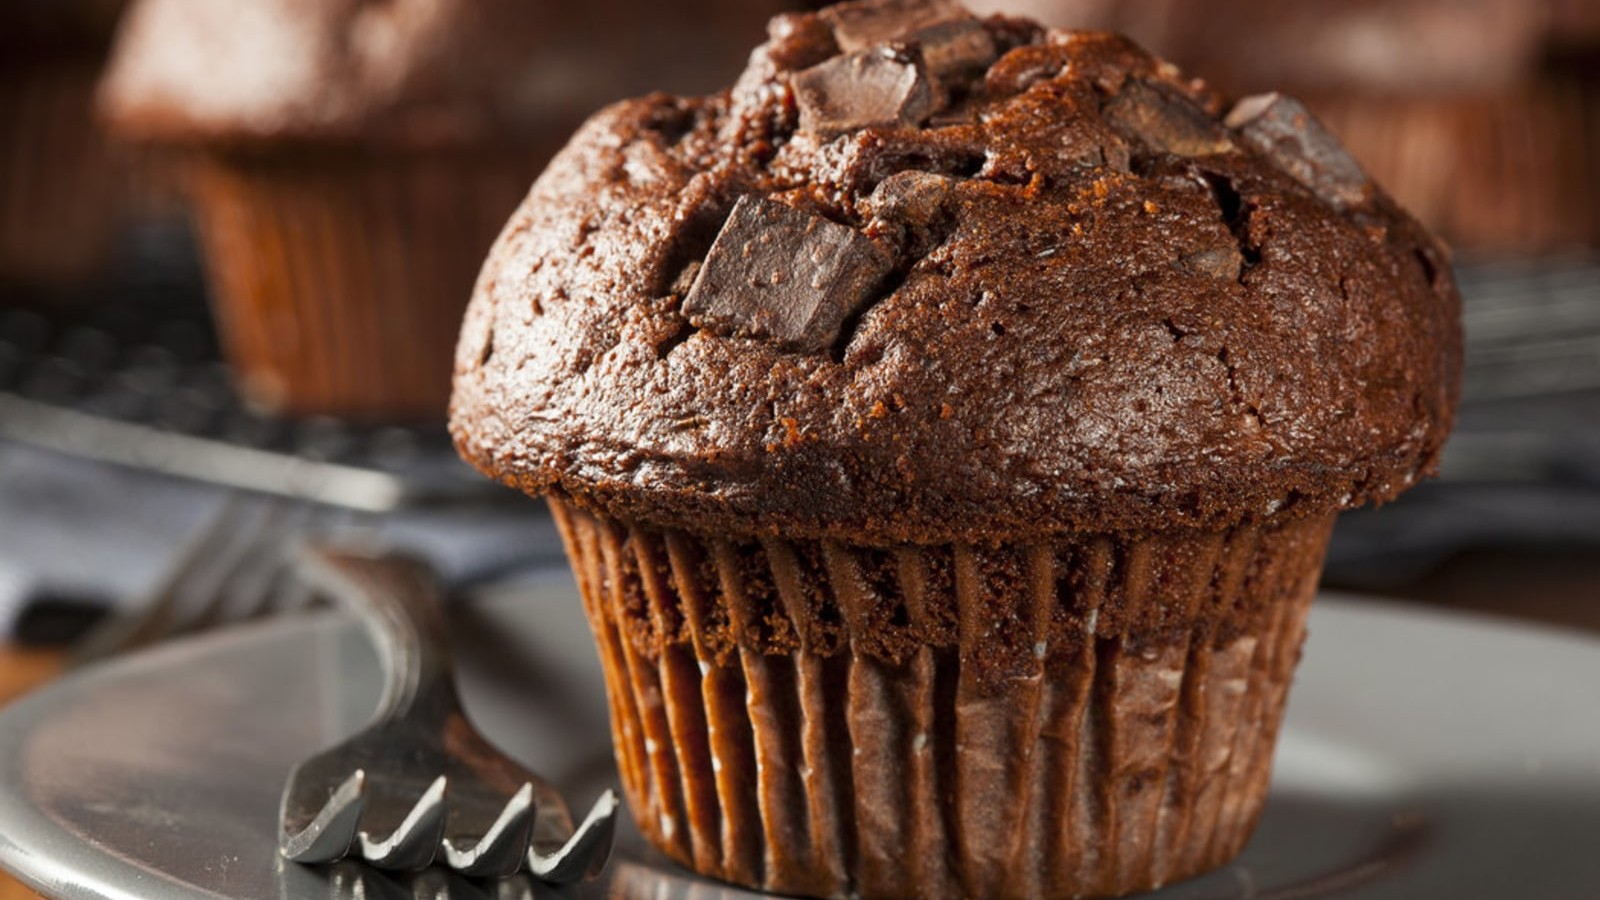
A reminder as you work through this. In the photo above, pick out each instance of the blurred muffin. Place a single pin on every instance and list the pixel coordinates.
(946, 427)
(59, 191)
(1480, 115)
(350, 162)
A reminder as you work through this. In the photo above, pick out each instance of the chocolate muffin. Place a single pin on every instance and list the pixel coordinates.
(351, 162)
(61, 192)
(946, 425)
(1480, 115)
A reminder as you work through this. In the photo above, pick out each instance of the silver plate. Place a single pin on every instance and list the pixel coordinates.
(1426, 756)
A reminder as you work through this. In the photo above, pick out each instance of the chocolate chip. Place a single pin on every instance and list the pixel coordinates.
(870, 87)
(916, 198)
(1165, 120)
(1222, 262)
(867, 23)
(954, 47)
(1284, 131)
(796, 41)
(781, 274)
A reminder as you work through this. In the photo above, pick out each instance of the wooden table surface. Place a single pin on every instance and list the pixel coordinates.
(21, 670)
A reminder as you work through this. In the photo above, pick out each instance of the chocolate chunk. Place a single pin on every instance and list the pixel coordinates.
(777, 273)
(1166, 120)
(1284, 131)
(796, 41)
(1222, 262)
(871, 87)
(950, 48)
(867, 23)
(915, 198)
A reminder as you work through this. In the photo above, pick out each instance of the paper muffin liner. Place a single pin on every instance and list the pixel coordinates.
(1086, 718)
(339, 277)
(60, 190)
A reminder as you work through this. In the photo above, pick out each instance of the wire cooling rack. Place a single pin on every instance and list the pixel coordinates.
(1533, 328)
(131, 375)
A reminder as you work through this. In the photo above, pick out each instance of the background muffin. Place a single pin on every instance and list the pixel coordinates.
(946, 434)
(1480, 115)
(350, 162)
(60, 193)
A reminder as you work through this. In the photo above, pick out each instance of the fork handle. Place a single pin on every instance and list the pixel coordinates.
(400, 603)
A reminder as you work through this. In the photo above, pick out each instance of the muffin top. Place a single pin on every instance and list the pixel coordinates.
(920, 277)
(424, 71)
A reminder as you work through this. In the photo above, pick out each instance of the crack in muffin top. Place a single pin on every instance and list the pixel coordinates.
(920, 277)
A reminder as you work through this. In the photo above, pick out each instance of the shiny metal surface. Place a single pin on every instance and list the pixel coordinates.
(420, 785)
(146, 447)
(1424, 757)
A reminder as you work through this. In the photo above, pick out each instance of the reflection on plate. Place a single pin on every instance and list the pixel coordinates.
(1424, 757)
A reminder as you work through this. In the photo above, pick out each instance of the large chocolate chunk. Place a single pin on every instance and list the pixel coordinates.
(859, 90)
(953, 47)
(867, 23)
(1164, 119)
(777, 273)
(913, 197)
(1284, 131)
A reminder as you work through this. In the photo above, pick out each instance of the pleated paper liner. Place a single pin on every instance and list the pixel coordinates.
(1087, 718)
(340, 276)
(60, 192)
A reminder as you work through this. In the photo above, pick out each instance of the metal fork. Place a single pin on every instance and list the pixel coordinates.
(420, 784)
(235, 569)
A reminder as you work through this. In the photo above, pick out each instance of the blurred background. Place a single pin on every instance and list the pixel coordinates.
(235, 240)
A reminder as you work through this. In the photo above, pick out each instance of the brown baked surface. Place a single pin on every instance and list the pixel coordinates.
(1108, 312)
(427, 71)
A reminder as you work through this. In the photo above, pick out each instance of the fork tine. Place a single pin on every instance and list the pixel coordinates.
(497, 850)
(585, 853)
(327, 835)
(462, 816)
(407, 837)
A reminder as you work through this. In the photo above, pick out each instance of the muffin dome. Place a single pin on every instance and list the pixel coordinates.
(924, 277)
(428, 71)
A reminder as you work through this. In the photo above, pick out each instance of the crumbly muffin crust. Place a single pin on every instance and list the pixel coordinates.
(1106, 302)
